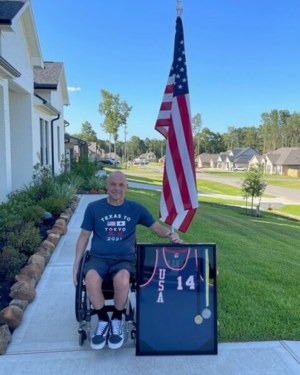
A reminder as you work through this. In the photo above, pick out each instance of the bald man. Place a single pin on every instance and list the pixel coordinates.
(113, 222)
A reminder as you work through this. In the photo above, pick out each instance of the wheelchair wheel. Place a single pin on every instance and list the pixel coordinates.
(80, 293)
(82, 337)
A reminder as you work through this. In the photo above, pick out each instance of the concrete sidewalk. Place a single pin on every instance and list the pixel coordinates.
(46, 342)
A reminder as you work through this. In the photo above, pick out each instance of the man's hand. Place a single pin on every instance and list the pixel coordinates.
(174, 238)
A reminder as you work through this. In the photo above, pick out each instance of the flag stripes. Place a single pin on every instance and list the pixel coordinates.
(179, 200)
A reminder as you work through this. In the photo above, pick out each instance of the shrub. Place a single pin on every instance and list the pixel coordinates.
(21, 197)
(64, 191)
(85, 168)
(96, 183)
(53, 205)
(33, 214)
(8, 221)
(71, 179)
(11, 261)
(26, 238)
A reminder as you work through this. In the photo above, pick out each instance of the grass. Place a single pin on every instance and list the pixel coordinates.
(258, 262)
(218, 188)
(289, 182)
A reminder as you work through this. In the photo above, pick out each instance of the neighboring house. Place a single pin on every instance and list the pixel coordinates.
(206, 160)
(75, 147)
(95, 153)
(237, 158)
(33, 94)
(222, 160)
(283, 161)
(112, 155)
(256, 161)
(148, 156)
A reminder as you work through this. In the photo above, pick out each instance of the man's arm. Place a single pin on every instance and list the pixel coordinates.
(163, 232)
(81, 245)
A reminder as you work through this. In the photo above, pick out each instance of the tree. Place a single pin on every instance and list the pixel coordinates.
(196, 127)
(136, 147)
(253, 186)
(115, 114)
(158, 147)
(211, 143)
(87, 132)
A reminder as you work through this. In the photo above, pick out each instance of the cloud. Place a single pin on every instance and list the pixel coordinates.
(74, 88)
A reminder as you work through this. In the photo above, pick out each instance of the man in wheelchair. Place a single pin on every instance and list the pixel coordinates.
(113, 221)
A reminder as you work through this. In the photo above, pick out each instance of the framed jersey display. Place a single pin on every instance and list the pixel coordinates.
(176, 299)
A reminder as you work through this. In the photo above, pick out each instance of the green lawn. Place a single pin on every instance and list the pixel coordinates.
(258, 262)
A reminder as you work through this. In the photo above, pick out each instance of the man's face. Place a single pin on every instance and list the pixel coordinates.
(116, 187)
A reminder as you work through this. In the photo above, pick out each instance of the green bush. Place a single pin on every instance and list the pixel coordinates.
(71, 179)
(21, 197)
(54, 205)
(96, 183)
(32, 214)
(26, 238)
(64, 191)
(85, 168)
(11, 261)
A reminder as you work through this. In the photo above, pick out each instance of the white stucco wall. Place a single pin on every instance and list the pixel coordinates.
(15, 51)
(19, 116)
(5, 152)
(21, 138)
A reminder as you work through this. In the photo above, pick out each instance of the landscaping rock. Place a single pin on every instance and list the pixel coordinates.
(60, 227)
(26, 279)
(48, 245)
(54, 238)
(46, 254)
(32, 270)
(65, 217)
(21, 290)
(22, 303)
(11, 315)
(37, 259)
(5, 337)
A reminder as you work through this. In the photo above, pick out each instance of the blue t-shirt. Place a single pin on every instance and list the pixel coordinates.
(114, 227)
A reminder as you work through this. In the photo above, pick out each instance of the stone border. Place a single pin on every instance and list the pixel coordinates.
(23, 291)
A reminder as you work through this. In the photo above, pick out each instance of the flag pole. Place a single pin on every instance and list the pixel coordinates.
(179, 8)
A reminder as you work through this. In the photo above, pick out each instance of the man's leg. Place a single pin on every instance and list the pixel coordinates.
(121, 289)
(93, 283)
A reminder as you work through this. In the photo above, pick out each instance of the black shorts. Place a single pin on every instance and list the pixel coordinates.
(109, 267)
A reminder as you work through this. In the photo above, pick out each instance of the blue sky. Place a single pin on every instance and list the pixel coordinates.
(243, 57)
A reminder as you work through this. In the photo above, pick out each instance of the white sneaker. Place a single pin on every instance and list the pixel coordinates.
(99, 338)
(116, 335)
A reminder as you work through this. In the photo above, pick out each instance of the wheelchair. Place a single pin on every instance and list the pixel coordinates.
(84, 309)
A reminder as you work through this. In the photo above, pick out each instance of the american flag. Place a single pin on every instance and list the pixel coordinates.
(179, 200)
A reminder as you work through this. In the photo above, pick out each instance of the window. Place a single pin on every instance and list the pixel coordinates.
(58, 144)
(44, 141)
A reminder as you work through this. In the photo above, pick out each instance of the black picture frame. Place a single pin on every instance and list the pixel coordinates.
(176, 299)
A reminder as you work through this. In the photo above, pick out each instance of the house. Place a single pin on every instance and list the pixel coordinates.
(33, 94)
(256, 161)
(75, 147)
(148, 156)
(206, 160)
(236, 159)
(95, 153)
(112, 156)
(283, 161)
